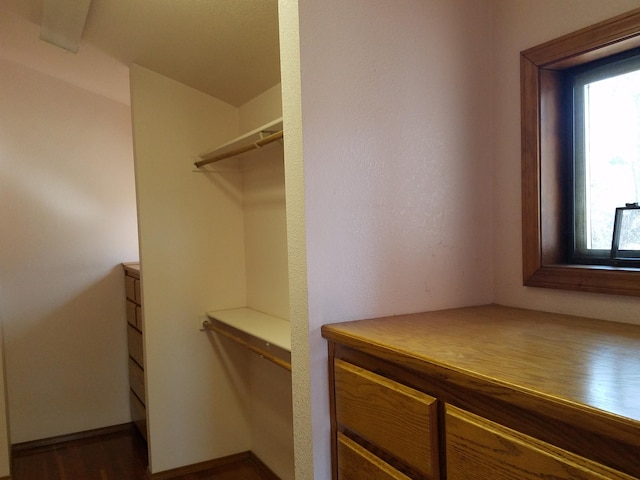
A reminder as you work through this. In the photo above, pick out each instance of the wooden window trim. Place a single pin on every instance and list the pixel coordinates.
(543, 148)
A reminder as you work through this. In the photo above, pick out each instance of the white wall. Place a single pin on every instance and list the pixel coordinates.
(519, 25)
(68, 210)
(265, 231)
(192, 259)
(395, 122)
(261, 110)
(265, 238)
(265, 228)
(271, 412)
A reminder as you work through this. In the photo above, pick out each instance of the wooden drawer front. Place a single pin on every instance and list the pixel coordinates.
(357, 463)
(134, 338)
(139, 317)
(138, 414)
(393, 417)
(131, 313)
(477, 449)
(130, 287)
(134, 315)
(136, 379)
(136, 291)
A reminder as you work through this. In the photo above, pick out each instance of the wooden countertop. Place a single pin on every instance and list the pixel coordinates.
(133, 268)
(592, 366)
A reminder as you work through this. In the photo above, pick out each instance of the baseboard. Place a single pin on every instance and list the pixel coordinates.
(211, 466)
(265, 472)
(200, 467)
(48, 442)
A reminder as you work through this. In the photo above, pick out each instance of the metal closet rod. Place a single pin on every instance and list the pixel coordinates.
(243, 149)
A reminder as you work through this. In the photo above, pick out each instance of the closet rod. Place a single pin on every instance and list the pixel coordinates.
(244, 149)
(245, 341)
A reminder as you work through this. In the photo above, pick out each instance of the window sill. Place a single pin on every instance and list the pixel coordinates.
(587, 278)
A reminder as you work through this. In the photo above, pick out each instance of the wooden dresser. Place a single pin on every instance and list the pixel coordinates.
(484, 393)
(134, 337)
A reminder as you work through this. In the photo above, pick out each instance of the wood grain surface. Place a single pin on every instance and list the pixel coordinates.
(568, 381)
(589, 363)
(393, 417)
(357, 463)
(478, 449)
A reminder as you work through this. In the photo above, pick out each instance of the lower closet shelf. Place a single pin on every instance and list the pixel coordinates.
(266, 335)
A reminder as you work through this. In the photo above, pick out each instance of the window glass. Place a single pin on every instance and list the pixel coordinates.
(606, 152)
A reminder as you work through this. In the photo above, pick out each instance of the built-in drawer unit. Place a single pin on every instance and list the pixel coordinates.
(135, 345)
(484, 393)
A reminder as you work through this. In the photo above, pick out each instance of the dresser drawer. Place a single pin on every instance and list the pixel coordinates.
(136, 379)
(132, 288)
(134, 339)
(139, 317)
(131, 313)
(395, 418)
(138, 414)
(136, 291)
(357, 463)
(477, 448)
(134, 315)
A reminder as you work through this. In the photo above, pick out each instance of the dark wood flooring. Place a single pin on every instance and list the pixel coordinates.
(119, 455)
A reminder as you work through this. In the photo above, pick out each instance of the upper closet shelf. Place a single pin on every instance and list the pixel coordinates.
(257, 138)
(266, 335)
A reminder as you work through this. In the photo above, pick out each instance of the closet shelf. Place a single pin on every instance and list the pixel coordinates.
(258, 138)
(266, 335)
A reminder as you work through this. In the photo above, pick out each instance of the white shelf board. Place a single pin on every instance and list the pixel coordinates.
(273, 330)
(245, 139)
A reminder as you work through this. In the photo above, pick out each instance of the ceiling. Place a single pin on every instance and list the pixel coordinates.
(226, 48)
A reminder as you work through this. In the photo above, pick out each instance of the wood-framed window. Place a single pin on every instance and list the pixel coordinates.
(545, 146)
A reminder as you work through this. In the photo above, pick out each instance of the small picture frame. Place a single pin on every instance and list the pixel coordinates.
(625, 243)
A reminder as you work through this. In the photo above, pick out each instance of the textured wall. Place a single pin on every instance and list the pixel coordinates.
(296, 238)
(393, 118)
